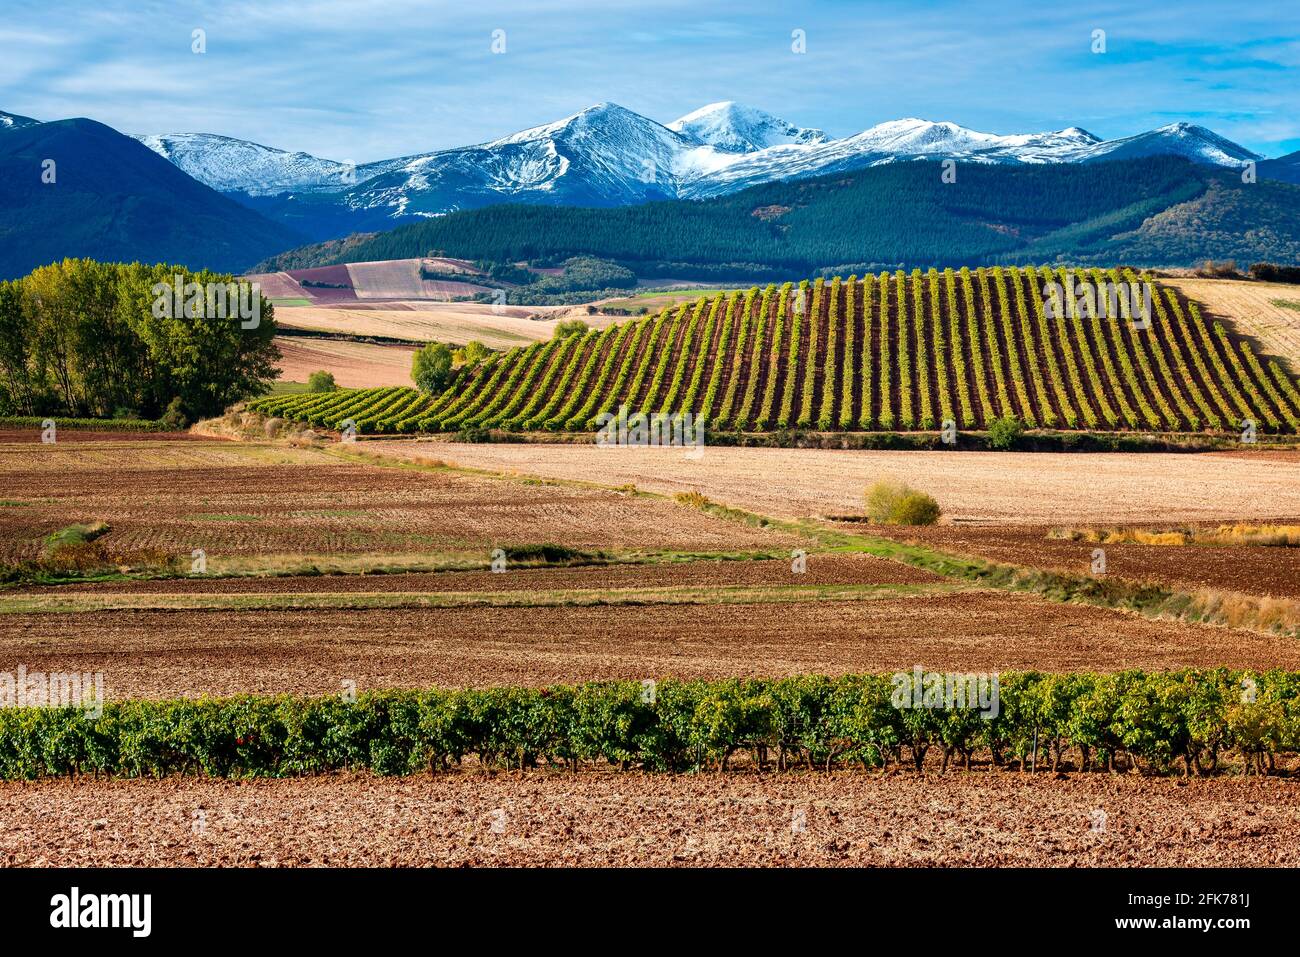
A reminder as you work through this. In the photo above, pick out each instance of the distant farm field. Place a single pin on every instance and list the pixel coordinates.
(1254, 309)
(353, 364)
(420, 321)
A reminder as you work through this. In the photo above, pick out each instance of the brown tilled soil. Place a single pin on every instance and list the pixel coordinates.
(158, 653)
(994, 487)
(238, 500)
(1255, 570)
(980, 818)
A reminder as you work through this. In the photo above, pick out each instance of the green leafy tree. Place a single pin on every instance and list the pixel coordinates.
(431, 368)
(321, 381)
(570, 327)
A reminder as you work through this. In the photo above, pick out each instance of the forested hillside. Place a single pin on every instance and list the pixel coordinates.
(901, 215)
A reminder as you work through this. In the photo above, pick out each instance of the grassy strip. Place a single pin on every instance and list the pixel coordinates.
(300, 566)
(1155, 722)
(539, 598)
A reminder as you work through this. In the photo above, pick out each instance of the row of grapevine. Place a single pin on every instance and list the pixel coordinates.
(866, 362)
(967, 419)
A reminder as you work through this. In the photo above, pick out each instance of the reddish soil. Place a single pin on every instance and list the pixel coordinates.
(1256, 570)
(166, 653)
(978, 819)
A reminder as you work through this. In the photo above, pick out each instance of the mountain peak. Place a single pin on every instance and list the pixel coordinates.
(735, 128)
(12, 121)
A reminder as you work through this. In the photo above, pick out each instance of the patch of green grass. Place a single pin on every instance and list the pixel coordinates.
(281, 387)
(1292, 304)
(78, 534)
(291, 302)
(13, 503)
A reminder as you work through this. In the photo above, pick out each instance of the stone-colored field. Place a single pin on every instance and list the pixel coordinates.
(994, 487)
(976, 819)
(355, 365)
(1249, 308)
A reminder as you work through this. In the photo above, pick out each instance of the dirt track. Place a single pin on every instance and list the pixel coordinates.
(739, 819)
(994, 487)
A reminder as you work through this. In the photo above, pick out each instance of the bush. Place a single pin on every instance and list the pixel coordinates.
(570, 327)
(473, 351)
(321, 381)
(1005, 433)
(1209, 269)
(893, 503)
(431, 368)
(174, 417)
(1272, 272)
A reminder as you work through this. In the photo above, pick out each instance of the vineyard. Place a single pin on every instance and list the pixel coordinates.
(893, 352)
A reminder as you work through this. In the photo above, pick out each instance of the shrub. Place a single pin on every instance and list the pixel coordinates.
(174, 417)
(321, 381)
(1272, 272)
(1209, 269)
(1005, 433)
(431, 368)
(570, 327)
(473, 351)
(893, 503)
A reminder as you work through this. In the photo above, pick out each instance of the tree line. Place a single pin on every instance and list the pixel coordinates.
(89, 339)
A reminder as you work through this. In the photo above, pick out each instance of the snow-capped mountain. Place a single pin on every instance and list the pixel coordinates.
(607, 155)
(1194, 142)
(233, 165)
(733, 128)
(12, 121)
(602, 156)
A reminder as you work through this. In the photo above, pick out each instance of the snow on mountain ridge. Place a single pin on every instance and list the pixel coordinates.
(12, 121)
(230, 164)
(607, 155)
(733, 128)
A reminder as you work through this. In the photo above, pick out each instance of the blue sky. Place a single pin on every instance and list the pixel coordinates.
(361, 81)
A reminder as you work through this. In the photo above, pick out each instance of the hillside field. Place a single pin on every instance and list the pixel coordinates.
(889, 352)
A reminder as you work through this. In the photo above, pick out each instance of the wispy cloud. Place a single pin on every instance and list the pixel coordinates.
(371, 80)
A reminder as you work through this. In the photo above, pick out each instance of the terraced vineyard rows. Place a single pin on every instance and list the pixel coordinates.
(893, 351)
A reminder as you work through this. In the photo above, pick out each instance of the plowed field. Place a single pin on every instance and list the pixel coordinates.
(240, 500)
(561, 820)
